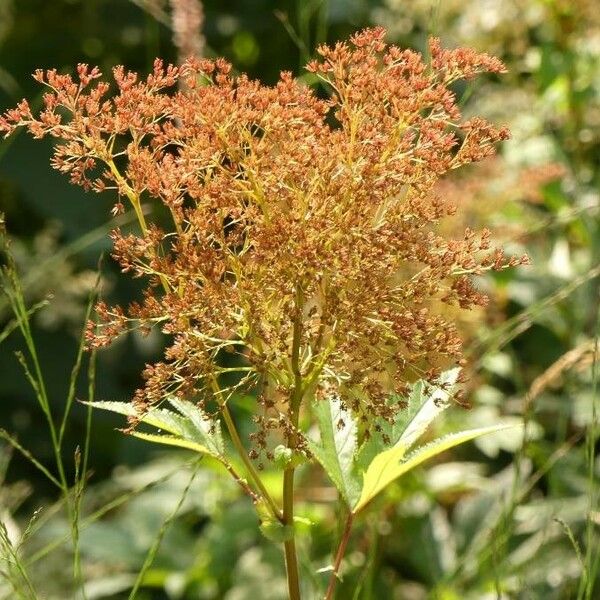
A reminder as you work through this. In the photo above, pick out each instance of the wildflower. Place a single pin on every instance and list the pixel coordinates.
(304, 256)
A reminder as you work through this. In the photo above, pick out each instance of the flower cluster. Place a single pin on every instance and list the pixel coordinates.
(304, 256)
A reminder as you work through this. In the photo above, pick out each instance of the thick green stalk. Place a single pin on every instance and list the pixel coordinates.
(291, 557)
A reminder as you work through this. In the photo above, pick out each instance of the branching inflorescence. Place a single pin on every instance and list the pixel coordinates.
(302, 242)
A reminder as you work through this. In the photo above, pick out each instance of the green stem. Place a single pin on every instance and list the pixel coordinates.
(137, 207)
(240, 481)
(239, 446)
(14, 292)
(237, 442)
(34, 374)
(291, 557)
(131, 195)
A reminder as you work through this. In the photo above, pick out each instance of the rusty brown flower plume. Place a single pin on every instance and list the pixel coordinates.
(304, 256)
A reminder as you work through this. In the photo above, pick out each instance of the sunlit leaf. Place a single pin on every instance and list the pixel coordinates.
(391, 464)
(207, 431)
(155, 417)
(188, 428)
(435, 403)
(336, 448)
(423, 406)
(170, 440)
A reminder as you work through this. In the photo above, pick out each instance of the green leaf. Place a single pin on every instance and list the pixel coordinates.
(205, 430)
(337, 447)
(188, 428)
(270, 527)
(391, 464)
(276, 531)
(171, 440)
(282, 456)
(411, 422)
(437, 402)
(155, 417)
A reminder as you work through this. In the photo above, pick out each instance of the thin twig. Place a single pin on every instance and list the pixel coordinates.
(339, 556)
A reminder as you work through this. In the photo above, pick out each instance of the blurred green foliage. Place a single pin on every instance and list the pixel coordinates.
(509, 517)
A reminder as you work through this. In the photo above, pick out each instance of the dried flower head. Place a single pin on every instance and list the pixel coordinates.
(304, 257)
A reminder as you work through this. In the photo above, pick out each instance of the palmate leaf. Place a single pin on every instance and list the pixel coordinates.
(208, 430)
(434, 404)
(336, 449)
(379, 463)
(423, 406)
(391, 464)
(187, 426)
